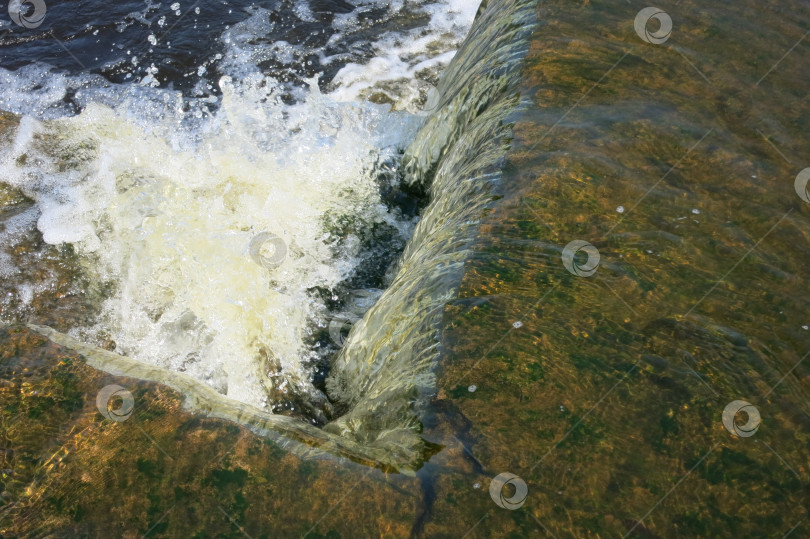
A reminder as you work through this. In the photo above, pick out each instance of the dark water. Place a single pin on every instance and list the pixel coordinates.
(101, 38)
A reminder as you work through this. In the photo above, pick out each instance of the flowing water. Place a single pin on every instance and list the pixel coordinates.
(217, 200)
(222, 181)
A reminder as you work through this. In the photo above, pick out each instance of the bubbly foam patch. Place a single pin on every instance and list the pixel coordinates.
(405, 63)
(165, 209)
(216, 224)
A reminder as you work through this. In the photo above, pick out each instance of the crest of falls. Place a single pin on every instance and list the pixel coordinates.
(177, 225)
(385, 371)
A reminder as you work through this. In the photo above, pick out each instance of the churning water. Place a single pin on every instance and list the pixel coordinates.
(227, 181)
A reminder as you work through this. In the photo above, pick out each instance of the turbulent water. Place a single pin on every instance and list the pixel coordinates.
(226, 209)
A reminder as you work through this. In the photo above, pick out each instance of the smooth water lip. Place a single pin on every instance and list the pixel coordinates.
(385, 375)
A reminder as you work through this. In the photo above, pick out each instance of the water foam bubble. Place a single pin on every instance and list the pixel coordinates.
(162, 206)
(161, 194)
(406, 64)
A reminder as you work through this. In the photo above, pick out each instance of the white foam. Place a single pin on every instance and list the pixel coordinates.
(161, 195)
(245, 48)
(33, 89)
(403, 56)
(164, 207)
